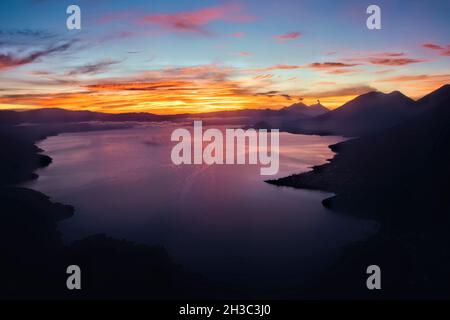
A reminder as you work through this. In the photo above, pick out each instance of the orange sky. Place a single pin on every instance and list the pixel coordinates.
(162, 98)
(188, 57)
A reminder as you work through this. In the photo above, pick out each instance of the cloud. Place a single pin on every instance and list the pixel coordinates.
(288, 36)
(263, 76)
(40, 73)
(196, 21)
(346, 91)
(334, 67)
(432, 46)
(331, 65)
(444, 50)
(416, 85)
(275, 93)
(92, 68)
(238, 34)
(137, 86)
(193, 89)
(420, 77)
(245, 54)
(202, 72)
(390, 54)
(9, 60)
(383, 58)
(25, 37)
(29, 33)
(275, 67)
(394, 61)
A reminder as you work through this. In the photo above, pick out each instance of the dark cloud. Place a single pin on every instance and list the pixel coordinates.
(10, 60)
(30, 33)
(25, 37)
(274, 93)
(334, 67)
(331, 65)
(92, 68)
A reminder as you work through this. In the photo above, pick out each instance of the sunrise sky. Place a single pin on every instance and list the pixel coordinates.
(169, 57)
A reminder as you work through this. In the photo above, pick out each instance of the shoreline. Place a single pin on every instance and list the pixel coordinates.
(30, 237)
(341, 280)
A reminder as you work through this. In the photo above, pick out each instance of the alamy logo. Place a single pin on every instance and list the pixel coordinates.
(74, 280)
(374, 280)
(239, 146)
(374, 20)
(74, 20)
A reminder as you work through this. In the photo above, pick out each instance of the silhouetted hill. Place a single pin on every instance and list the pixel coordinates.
(246, 116)
(57, 115)
(370, 112)
(34, 259)
(400, 177)
(19, 156)
(317, 109)
(302, 110)
(283, 118)
(398, 155)
(435, 98)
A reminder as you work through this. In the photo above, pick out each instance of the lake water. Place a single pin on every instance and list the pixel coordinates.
(223, 222)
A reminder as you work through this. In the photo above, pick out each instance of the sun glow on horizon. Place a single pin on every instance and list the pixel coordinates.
(195, 103)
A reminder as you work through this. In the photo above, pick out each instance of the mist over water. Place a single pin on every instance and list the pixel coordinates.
(220, 221)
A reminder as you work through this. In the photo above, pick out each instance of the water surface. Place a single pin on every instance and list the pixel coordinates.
(221, 221)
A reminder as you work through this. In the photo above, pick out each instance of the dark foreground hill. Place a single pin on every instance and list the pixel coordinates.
(34, 259)
(401, 178)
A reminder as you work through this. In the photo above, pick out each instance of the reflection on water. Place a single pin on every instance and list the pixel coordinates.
(220, 221)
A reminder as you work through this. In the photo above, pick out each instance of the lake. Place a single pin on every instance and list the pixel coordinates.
(222, 221)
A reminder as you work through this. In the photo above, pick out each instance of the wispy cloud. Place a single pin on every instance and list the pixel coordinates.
(345, 91)
(25, 38)
(383, 59)
(197, 21)
(432, 46)
(274, 67)
(40, 73)
(92, 68)
(418, 77)
(331, 65)
(263, 76)
(29, 33)
(238, 34)
(394, 61)
(334, 67)
(288, 36)
(9, 60)
(444, 50)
